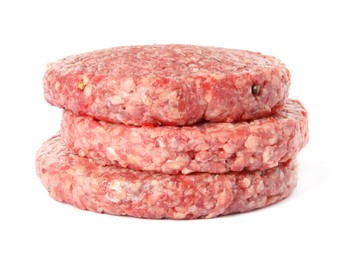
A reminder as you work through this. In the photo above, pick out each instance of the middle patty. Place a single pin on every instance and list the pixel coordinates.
(206, 147)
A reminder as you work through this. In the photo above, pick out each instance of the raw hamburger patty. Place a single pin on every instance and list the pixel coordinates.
(168, 84)
(207, 147)
(77, 181)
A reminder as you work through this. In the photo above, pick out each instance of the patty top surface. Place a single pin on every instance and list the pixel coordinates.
(168, 84)
(173, 60)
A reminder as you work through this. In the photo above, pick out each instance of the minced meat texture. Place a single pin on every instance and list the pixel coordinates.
(168, 84)
(119, 191)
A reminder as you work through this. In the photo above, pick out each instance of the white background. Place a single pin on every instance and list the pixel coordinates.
(307, 35)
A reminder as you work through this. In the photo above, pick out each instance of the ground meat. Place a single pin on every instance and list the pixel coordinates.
(168, 84)
(208, 147)
(77, 181)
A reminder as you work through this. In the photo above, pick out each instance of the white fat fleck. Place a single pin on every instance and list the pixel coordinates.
(251, 143)
(111, 198)
(85, 80)
(111, 151)
(267, 108)
(180, 212)
(178, 50)
(161, 142)
(115, 185)
(218, 76)
(116, 196)
(178, 164)
(186, 171)
(154, 182)
(87, 91)
(112, 154)
(209, 179)
(117, 193)
(155, 134)
(238, 163)
(213, 113)
(245, 183)
(266, 155)
(198, 84)
(133, 159)
(57, 86)
(209, 205)
(229, 149)
(167, 96)
(128, 85)
(145, 98)
(273, 140)
(115, 100)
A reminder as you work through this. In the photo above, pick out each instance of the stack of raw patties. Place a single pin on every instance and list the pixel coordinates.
(171, 131)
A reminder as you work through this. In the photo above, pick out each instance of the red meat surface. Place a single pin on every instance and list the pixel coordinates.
(168, 84)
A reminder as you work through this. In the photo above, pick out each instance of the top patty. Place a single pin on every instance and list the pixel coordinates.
(168, 84)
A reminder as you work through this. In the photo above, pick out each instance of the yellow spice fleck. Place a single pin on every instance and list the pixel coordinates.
(81, 85)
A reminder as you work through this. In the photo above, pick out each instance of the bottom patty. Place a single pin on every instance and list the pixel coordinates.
(119, 191)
